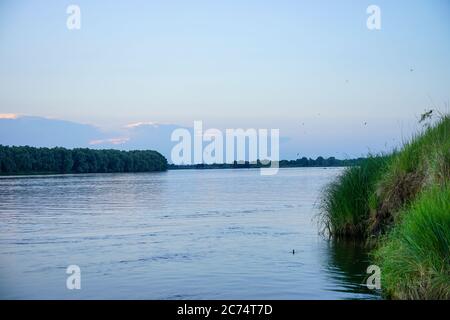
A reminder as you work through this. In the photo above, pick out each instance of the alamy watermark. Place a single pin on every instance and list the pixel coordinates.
(373, 282)
(73, 21)
(251, 145)
(74, 279)
(374, 20)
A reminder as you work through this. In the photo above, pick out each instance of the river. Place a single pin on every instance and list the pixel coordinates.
(182, 234)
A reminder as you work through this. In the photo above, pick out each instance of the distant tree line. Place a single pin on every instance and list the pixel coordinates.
(302, 162)
(24, 160)
(320, 162)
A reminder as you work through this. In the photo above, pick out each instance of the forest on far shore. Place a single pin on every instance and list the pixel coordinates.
(31, 160)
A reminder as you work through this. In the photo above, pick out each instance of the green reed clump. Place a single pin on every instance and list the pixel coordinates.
(424, 161)
(404, 200)
(346, 202)
(415, 255)
(365, 199)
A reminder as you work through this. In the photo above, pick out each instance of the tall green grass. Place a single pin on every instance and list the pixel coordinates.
(365, 199)
(423, 161)
(405, 197)
(415, 256)
(346, 202)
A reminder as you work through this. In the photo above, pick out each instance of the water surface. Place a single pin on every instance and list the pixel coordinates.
(184, 234)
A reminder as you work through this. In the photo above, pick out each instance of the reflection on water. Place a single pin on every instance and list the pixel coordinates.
(217, 234)
(347, 264)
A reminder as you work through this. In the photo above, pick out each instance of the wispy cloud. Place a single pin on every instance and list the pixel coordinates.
(114, 141)
(143, 123)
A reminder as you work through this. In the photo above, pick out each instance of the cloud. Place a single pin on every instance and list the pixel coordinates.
(144, 123)
(114, 141)
(8, 116)
(22, 130)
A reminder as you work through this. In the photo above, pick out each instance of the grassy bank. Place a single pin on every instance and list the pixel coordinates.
(346, 202)
(415, 256)
(402, 202)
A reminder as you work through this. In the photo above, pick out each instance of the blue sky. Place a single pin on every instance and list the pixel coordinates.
(269, 64)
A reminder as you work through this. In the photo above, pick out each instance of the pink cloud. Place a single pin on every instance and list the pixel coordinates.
(8, 116)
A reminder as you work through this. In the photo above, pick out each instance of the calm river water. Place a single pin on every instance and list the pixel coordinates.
(186, 234)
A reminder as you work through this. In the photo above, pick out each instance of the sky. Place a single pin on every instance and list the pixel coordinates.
(309, 68)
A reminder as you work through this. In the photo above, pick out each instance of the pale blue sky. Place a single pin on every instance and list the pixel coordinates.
(271, 64)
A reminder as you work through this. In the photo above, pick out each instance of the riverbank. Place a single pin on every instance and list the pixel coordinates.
(25, 160)
(400, 202)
